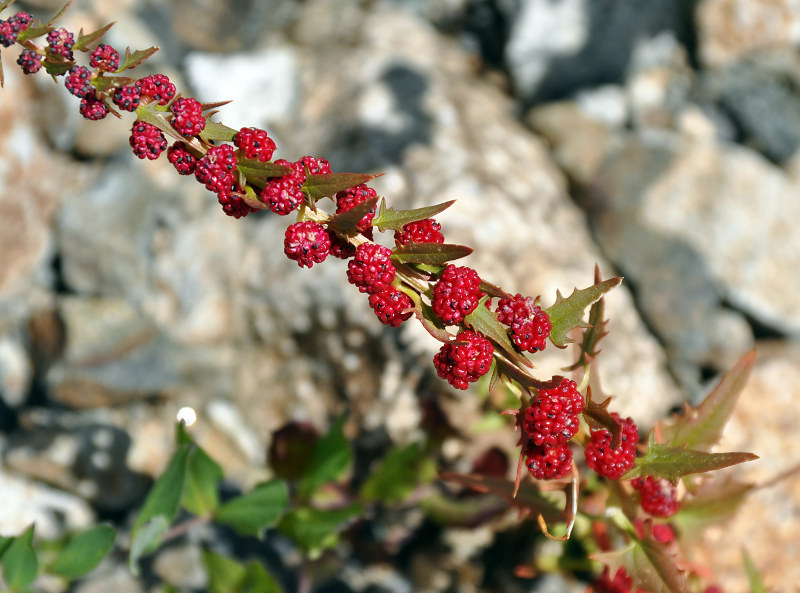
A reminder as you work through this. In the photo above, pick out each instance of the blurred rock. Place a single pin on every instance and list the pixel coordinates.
(16, 372)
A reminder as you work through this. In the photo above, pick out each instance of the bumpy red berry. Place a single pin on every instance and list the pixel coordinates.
(61, 42)
(621, 583)
(29, 61)
(456, 294)
(371, 270)
(315, 165)
(254, 143)
(392, 306)
(530, 326)
(351, 197)
(306, 243)
(187, 116)
(607, 461)
(340, 247)
(181, 158)
(93, 108)
(158, 87)
(284, 194)
(464, 360)
(147, 140)
(10, 29)
(548, 462)
(217, 169)
(657, 496)
(552, 419)
(126, 98)
(104, 57)
(421, 231)
(78, 81)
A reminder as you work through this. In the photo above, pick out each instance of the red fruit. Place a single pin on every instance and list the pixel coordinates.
(217, 170)
(126, 98)
(160, 89)
(93, 108)
(29, 61)
(530, 326)
(306, 243)
(315, 166)
(10, 29)
(553, 418)
(184, 161)
(371, 270)
(392, 306)
(147, 140)
(621, 583)
(606, 461)
(61, 42)
(77, 81)
(657, 496)
(456, 294)
(254, 143)
(421, 231)
(187, 116)
(464, 360)
(104, 57)
(233, 204)
(284, 194)
(548, 463)
(353, 196)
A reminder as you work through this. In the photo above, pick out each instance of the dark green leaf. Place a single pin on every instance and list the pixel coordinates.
(164, 498)
(217, 131)
(329, 184)
(389, 218)
(20, 564)
(225, 575)
(252, 512)
(315, 530)
(347, 222)
(398, 474)
(84, 552)
(429, 253)
(146, 539)
(5, 542)
(200, 488)
(133, 59)
(567, 313)
(258, 580)
(663, 461)
(331, 458)
(254, 169)
(84, 41)
(701, 427)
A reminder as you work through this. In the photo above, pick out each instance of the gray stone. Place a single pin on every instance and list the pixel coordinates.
(16, 371)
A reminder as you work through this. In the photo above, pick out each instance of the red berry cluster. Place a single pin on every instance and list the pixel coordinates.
(11, 28)
(657, 496)
(603, 458)
(456, 294)
(464, 360)
(530, 326)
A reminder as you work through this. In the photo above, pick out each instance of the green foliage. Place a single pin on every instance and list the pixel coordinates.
(84, 552)
(566, 314)
(330, 459)
(395, 220)
(432, 254)
(252, 512)
(325, 185)
(228, 576)
(84, 41)
(347, 221)
(400, 472)
(20, 564)
(315, 530)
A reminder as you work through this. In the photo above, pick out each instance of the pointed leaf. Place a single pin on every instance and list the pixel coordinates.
(256, 170)
(484, 321)
(595, 332)
(714, 503)
(667, 462)
(329, 184)
(133, 59)
(314, 529)
(203, 475)
(225, 575)
(398, 474)
(251, 513)
(146, 539)
(84, 552)
(20, 564)
(429, 253)
(84, 41)
(258, 580)
(331, 458)
(389, 218)
(217, 132)
(567, 313)
(347, 222)
(60, 13)
(5, 542)
(701, 427)
(5, 4)
(165, 495)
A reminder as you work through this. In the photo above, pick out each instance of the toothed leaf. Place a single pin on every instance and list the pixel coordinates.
(595, 332)
(347, 222)
(329, 184)
(218, 132)
(133, 59)
(255, 169)
(701, 427)
(663, 461)
(84, 41)
(389, 218)
(567, 313)
(429, 253)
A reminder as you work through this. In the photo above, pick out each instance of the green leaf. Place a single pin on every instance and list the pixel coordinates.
(255, 169)
(84, 552)
(429, 253)
(462, 512)
(146, 539)
(315, 530)
(60, 13)
(714, 504)
(595, 333)
(133, 59)
(218, 132)
(398, 474)
(754, 577)
(5, 542)
(389, 218)
(567, 313)
(256, 510)
(258, 580)
(20, 564)
(165, 496)
(84, 41)
(663, 461)
(225, 575)
(200, 488)
(331, 458)
(347, 222)
(5, 4)
(329, 184)
(701, 427)
(484, 321)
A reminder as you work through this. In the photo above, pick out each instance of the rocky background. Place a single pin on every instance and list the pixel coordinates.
(658, 138)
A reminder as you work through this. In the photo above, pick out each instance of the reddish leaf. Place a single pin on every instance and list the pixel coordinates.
(133, 59)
